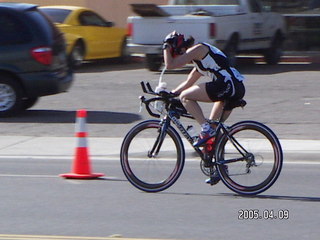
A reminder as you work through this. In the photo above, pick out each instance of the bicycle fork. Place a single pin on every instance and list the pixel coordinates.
(153, 153)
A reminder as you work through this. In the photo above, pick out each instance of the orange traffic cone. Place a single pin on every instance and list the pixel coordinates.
(81, 163)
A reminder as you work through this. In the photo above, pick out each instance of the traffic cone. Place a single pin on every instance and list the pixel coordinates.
(81, 163)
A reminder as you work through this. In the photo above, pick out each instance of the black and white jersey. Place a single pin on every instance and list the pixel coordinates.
(215, 65)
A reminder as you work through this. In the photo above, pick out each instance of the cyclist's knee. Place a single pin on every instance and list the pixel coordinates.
(183, 96)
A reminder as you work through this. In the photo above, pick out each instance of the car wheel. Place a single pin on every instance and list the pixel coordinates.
(77, 55)
(29, 102)
(10, 96)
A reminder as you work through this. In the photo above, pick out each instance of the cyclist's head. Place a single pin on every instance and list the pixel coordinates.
(178, 43)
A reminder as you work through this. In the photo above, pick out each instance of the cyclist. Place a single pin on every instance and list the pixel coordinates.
(225, 82)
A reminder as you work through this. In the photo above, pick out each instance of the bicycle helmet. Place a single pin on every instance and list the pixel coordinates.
(177, 42)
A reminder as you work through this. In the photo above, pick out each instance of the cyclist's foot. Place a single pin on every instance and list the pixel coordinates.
(214, 179)
(204, 137)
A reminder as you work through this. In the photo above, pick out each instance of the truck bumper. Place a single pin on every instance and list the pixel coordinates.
(144, 49)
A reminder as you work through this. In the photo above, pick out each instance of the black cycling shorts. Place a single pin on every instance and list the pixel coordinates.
(219, 90)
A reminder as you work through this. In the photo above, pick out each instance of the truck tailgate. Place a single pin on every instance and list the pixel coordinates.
(152, 30)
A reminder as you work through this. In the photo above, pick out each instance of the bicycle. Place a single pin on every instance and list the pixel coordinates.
(246, 156)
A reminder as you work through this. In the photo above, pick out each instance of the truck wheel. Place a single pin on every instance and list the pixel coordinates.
(154, 62)
(231, 50)
(273, 55)
(10, 96)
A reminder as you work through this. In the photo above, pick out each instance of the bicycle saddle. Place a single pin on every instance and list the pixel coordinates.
(229, 105)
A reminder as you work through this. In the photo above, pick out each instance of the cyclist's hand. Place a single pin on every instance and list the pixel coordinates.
(174, 94)
(166, 94)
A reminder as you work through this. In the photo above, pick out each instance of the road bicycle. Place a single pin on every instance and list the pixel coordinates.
(246, 156)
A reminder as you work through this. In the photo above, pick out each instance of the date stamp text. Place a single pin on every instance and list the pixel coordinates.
(266, 214)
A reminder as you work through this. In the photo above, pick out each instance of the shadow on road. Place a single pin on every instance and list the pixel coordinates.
(108, 65)
(251, 68)
(58, 116)
(274, 197)
(280, 197)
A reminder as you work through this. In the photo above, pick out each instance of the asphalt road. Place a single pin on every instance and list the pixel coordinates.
(37, 204)
(285, 97)
(35, 201)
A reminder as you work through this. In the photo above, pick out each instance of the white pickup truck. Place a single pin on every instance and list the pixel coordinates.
(234, 26)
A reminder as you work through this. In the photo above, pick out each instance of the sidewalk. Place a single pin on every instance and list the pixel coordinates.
(108, 148)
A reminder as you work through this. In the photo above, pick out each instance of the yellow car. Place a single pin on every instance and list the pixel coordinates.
(88, 35)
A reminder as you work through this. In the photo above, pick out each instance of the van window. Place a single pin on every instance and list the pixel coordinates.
(13, 30)
(46, 24)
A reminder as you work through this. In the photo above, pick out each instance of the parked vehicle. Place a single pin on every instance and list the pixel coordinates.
(234, 26)
(87, 34)
(33, 61)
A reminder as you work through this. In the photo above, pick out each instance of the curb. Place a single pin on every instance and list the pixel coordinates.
(107, 148)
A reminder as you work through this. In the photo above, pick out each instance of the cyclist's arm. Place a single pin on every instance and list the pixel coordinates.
(194, 53)
(193, 76)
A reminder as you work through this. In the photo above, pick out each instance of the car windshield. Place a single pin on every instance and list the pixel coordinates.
(56, 15)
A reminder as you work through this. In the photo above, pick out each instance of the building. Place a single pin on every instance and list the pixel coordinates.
(113, 10)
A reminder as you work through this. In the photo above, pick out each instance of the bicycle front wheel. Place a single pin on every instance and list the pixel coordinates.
(249, 158)
(152, 158)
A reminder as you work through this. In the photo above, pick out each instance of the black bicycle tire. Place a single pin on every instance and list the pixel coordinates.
(135, 181)
(271, 136)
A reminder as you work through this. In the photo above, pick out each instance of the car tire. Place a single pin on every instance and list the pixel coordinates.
(29, 102)
(10, 96)
(77, 55)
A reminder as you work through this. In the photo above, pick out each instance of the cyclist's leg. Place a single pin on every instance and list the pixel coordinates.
(217, 110)
(221, 91)
(189, 98)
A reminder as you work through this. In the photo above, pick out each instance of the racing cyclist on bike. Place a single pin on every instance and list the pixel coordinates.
(225, 82)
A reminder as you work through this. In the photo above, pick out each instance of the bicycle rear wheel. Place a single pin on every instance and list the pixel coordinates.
(147, 168)
(249, 158)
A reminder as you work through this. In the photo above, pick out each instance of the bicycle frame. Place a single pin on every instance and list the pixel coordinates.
(220, 128)
(171, 116)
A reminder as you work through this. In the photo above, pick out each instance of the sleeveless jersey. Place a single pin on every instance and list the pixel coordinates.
(215, 64)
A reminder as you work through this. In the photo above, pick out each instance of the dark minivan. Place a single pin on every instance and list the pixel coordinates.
(33, 61)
